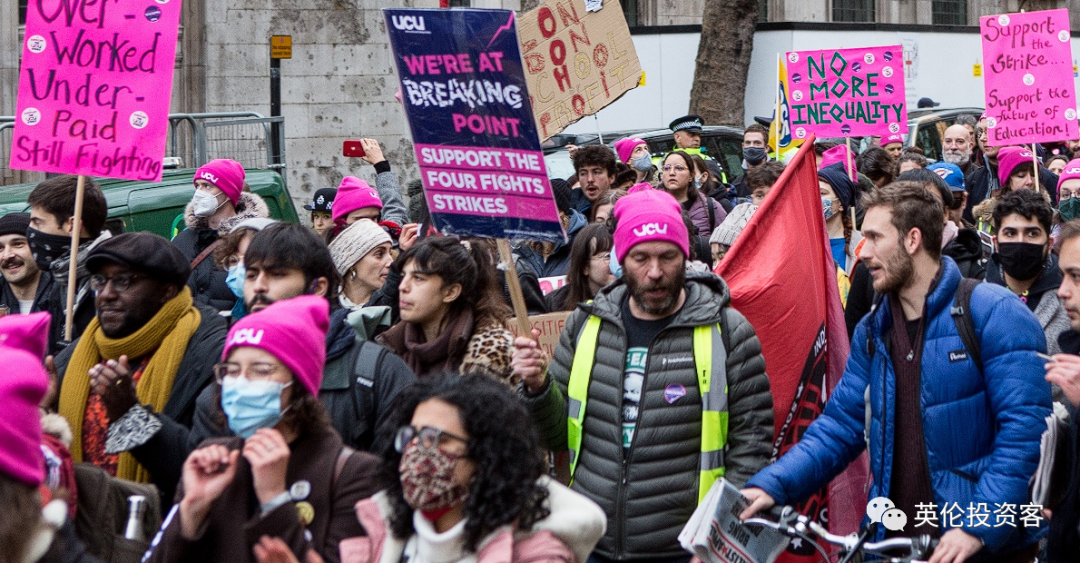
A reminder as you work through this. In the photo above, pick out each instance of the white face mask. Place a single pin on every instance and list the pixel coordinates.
(204, 204)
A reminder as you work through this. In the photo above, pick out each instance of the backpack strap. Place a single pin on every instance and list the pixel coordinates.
(366, 367)
(342, 459)
(712, 212)
(206, 252)
(965, 324)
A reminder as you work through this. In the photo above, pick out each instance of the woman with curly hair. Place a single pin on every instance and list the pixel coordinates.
(452, 312)
(464, 480)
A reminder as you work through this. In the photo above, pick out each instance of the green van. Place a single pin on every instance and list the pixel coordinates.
(158, 207)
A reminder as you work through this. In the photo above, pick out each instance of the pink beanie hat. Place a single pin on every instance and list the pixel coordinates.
(890, 139)
(646, 215)
(1008, 159)
(625, 147)
(353, 194)
(23, 339)
(839, 154)
(1071, 172)
(227, 175)
(294, 331)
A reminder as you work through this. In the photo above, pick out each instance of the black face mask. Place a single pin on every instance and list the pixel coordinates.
(754, 155)
(1021, 260)
(47, 248)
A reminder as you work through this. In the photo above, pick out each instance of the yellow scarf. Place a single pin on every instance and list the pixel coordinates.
(168, 332)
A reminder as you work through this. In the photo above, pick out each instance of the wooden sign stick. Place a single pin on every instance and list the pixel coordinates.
(76, 229)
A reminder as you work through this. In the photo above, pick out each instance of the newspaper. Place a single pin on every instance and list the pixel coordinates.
(715, 534)
(1051, 478)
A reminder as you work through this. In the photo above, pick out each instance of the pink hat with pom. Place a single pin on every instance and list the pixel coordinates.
(226, 175)
(23, 340)
(353, 194)
(625, 147)
(293, 331)
(645, 214)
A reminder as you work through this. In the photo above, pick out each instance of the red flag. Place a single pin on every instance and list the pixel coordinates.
(783, 279)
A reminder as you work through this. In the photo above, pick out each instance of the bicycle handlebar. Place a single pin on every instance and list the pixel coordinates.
(794, 524)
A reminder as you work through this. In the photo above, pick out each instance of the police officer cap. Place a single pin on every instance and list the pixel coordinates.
(323, 200)
(691, 123)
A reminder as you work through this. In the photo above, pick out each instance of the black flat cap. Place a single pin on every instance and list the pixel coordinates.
(143, 252)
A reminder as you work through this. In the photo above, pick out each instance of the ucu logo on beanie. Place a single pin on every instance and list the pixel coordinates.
(246, 336)
(1073, 170)
(651, 229)
(209, 176)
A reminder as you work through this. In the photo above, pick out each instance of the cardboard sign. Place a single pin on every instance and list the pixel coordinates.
(94, 87)
(464, 94)
(1030, 93)
(577, 61)
(847, 92)
(550, 326)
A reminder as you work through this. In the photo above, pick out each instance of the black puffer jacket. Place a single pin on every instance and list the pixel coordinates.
(207, 281)
(649, 498)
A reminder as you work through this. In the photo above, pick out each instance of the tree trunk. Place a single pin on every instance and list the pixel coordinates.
(723, 61)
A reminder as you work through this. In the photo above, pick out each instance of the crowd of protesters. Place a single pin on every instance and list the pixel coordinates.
(353, 392)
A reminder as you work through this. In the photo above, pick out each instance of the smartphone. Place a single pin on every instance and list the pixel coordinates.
(352, 148)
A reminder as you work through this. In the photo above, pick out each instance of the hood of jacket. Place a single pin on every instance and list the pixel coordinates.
(370, 321)
(1049, 279)
(249, 206)
(340, 336)
(966, 246)
(706, 295)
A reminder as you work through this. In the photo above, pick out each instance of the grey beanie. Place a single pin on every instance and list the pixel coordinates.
(355, 242)
(729, 230)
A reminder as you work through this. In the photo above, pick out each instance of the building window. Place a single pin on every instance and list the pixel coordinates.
(630, 12)
(22, 11)
(763, 10)
(950, 12)
(853, 11)
(461, 3)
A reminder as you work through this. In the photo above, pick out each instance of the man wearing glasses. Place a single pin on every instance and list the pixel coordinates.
(149, 349)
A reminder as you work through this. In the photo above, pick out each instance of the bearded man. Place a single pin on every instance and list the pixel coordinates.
(647, 437)
(950, 423)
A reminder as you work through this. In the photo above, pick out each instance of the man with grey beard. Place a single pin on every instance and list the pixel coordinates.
(956, 148)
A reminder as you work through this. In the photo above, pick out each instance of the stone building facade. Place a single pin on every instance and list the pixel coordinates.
(340, 82)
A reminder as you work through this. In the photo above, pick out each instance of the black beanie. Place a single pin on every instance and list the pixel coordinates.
(14, 224)
(561, 189)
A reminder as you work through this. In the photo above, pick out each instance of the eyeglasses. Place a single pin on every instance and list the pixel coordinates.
(606, 257)
(429, 438)
(255, 372)
(677, 168)
(120, 283)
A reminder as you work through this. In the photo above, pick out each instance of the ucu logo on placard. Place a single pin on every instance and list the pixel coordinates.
(209, 176)
(409, 23)
(247, 336)
(651, 229)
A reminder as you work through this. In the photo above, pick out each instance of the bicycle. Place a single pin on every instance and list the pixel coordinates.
(796, 525)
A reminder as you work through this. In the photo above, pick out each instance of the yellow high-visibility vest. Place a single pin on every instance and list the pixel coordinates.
(713, 388)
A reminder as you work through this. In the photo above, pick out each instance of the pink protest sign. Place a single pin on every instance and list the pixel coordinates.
(847, 92)
(94, 87)
(1028, 75)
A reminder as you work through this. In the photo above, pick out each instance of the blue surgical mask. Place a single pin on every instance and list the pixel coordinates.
(826, 206)
(643, 162)
(235, 281)
(613, 264)
(251, 405)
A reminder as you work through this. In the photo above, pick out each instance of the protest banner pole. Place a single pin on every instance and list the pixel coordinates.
(1035, 160)
(76, 228)
(777, 124)
(514, 284)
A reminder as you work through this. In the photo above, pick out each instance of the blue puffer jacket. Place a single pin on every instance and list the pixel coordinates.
(982, 432)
